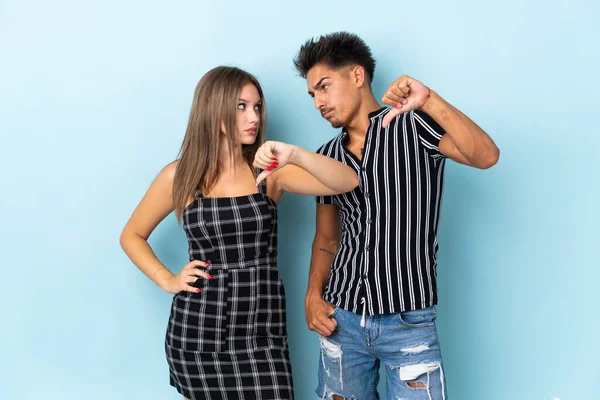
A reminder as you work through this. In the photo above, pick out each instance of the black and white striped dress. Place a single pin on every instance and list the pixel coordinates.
(230, 341)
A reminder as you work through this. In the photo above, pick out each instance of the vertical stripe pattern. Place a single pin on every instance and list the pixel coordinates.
(388, 247)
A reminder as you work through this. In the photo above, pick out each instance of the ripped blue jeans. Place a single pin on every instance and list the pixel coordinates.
(407, 345)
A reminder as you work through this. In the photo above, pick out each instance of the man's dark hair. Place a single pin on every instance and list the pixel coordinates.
(335, 50)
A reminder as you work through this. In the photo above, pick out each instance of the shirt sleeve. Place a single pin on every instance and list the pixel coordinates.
(430, 132)
(324, 199)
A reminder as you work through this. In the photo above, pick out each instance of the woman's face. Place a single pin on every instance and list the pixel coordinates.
(248, 114)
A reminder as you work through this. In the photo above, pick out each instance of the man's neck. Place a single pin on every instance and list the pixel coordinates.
(357, 128)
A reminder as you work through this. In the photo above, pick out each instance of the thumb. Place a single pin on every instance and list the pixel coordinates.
(262, 176)
(391, 115)
(331, 310)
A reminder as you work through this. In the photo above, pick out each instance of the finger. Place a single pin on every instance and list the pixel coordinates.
(263, 158)
(262, 165)
(403, 81)
(319, 328)
(189, 288)
(322, 332)
(257, 162)
(325, 330)
(262, 176)
(328, 322)
(195, 281)
(198, 263)
(392, 97)
(199, 273)
(390, 116)
(331, 310)
(388, 101)
(402, 106)
(268, 164)
(403, 87)
(398, 92)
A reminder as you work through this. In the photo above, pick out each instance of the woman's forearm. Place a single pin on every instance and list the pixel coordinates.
(141, 254)
(331, 173)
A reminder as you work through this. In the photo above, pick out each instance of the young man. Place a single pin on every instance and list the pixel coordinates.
(372, 283)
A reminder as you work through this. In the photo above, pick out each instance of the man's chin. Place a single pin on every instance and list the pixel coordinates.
(336, 124)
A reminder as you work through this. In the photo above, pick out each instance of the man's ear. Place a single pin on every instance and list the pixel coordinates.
(358, 76)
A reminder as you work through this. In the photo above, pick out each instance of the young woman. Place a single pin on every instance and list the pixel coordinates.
(226, 336)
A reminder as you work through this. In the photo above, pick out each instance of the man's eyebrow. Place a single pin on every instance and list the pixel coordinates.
(320, 81)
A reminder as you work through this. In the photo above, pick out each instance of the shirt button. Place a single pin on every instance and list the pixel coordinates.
(366, 194)
(363, 169)
(369, 221)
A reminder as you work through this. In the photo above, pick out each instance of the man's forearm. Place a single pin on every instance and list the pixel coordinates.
(320, 267)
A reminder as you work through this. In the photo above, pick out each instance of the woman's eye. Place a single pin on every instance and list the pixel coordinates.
(242, 106)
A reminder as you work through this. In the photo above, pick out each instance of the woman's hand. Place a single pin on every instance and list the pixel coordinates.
(183, 281)
(272, 155)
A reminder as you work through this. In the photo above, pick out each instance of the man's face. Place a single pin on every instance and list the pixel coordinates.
(335, 93)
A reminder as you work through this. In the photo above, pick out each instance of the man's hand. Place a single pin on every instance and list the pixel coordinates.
(403, 95)
(318, 315)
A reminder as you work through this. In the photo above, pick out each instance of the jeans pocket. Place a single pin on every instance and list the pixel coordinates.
(418, 318)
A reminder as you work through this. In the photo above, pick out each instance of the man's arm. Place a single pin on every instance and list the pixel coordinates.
(464, 141)
(325, 244)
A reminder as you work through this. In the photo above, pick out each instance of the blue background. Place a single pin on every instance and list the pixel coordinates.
(94, 100)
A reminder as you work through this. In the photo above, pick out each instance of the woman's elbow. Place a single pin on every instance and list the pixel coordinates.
(127, 237)
(352, 183)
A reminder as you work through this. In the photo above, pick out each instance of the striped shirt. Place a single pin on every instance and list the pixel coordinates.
(388, 247)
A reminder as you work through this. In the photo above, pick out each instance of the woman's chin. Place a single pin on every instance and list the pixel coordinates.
(249, 140)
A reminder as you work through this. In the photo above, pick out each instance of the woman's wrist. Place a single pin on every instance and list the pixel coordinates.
(162, 277)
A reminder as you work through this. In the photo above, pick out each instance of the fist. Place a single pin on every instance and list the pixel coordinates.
(403, 95)
(272, 156)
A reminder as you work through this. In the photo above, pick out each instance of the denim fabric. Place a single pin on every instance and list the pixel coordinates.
(407, 345)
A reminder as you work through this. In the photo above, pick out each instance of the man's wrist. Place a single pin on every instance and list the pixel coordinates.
(429, 103)
(312, 293)
(296, 156)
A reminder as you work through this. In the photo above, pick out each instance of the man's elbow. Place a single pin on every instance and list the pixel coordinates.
(325, 242)
(489, 159)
